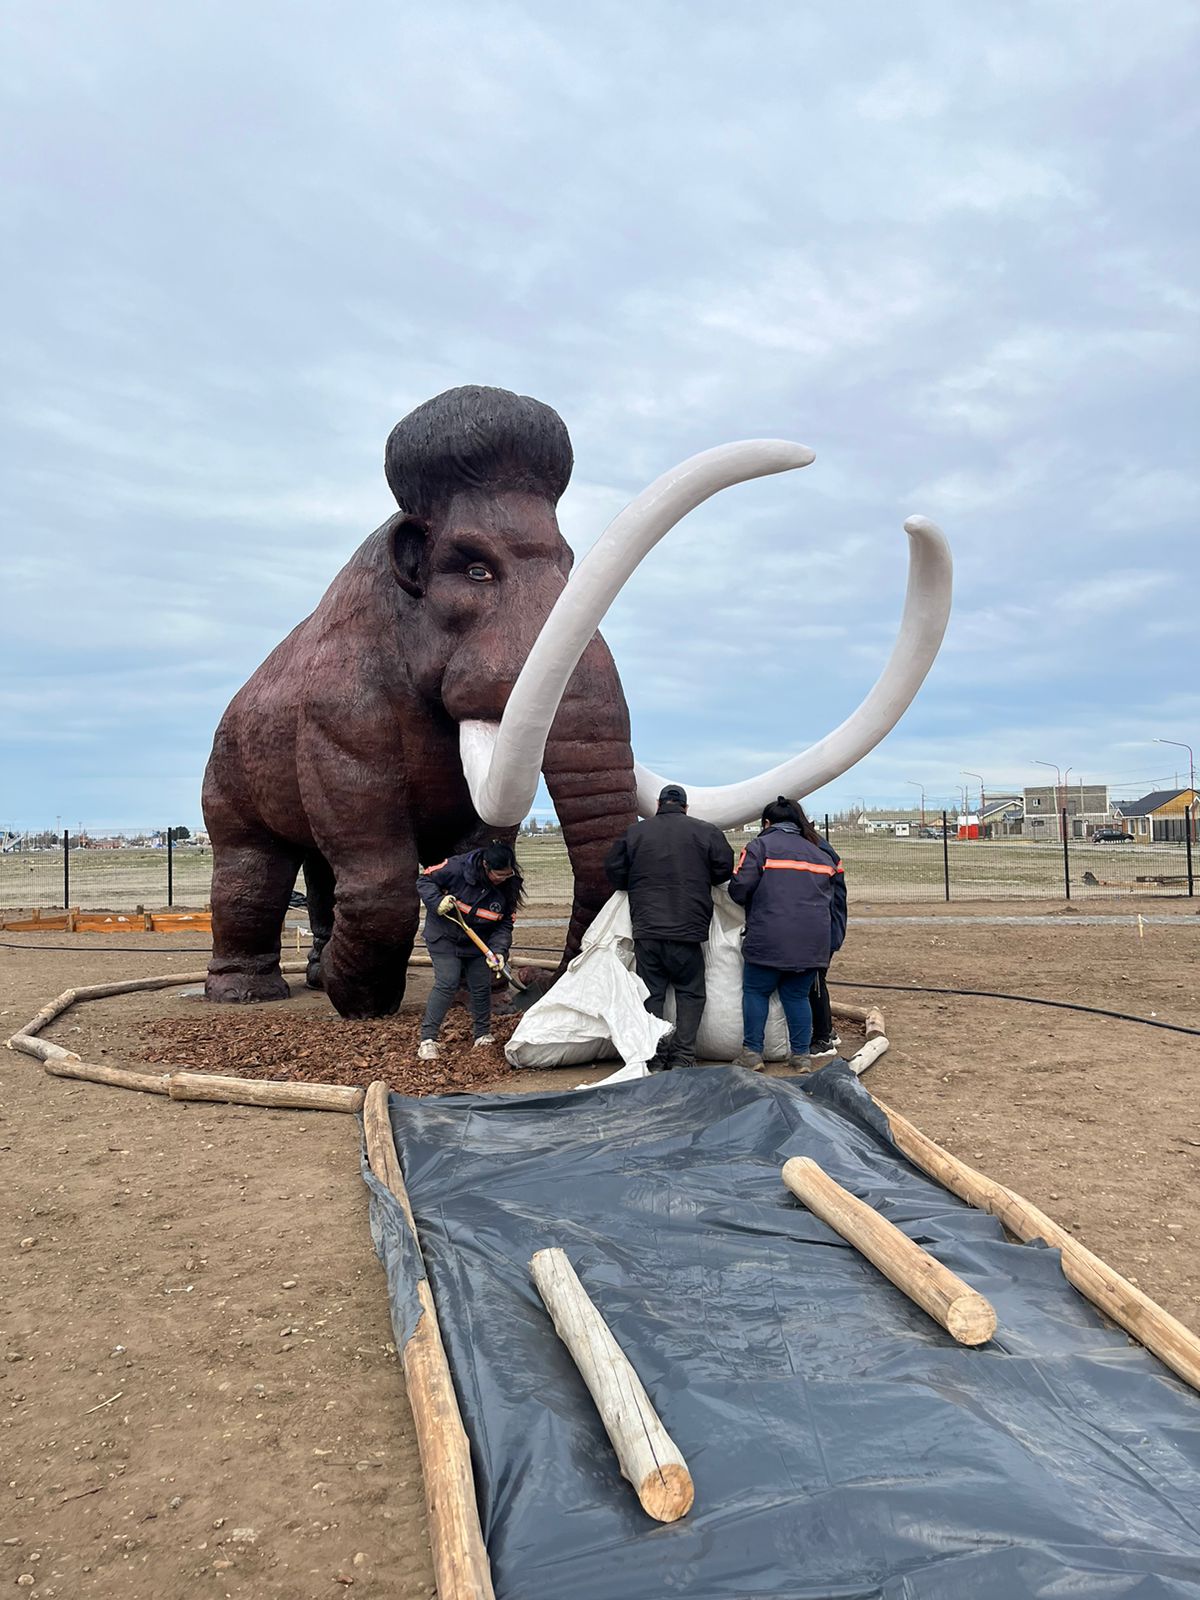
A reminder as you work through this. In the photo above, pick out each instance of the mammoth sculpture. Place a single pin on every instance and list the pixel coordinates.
(449, 664)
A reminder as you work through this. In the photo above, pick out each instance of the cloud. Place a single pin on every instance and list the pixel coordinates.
(953, 259)
(1153, 496)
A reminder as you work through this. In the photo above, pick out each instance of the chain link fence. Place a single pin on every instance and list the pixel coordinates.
(880, 868)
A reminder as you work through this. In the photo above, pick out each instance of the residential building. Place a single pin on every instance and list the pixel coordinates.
(899, 824)
(1086, 804)
(1159, 817)
(1002, 817)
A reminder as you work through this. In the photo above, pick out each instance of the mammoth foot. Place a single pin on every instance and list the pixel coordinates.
(245, 988)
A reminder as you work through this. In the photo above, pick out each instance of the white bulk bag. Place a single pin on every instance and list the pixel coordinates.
(720, 1036)
(596, 1009)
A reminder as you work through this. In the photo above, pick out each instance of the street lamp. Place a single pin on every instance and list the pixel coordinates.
(920, 786)
(978, 775)
(1191, 774)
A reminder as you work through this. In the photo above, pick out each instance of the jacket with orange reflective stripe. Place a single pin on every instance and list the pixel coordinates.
(794, 893)
(482, 905)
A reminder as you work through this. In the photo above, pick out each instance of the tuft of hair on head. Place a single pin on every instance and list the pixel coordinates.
(475, 438)
(785, 810)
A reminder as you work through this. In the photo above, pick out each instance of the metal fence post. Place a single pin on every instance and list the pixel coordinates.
(827, 827)
(1066, 853)
(946, 854)
(66, 869)
(1188, 827)
(170, 866)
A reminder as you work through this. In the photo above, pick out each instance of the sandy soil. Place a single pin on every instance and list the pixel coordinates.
(200, 1395)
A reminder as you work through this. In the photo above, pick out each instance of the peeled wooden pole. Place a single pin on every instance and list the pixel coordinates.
(460, 1559)
(961, 1310)
(870, 1017)
(870, 1053)
(1174, 1345)
(69, 1066)
(648, 1456)
(252, 1092)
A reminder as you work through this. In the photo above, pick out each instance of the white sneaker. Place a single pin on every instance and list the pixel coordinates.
(427, 1050)
(484, 1038)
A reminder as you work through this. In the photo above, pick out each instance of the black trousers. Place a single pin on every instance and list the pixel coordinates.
(822, 1016)
(665, 963)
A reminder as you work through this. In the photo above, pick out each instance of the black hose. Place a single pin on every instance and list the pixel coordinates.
(847, 983)
(1025, 999)
(187, 950)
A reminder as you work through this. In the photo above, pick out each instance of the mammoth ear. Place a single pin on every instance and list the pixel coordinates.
(406, 550)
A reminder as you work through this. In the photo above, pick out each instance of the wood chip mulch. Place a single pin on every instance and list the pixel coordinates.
(328, 1049)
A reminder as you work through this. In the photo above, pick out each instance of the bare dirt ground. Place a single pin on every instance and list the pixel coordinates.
(200, 1395)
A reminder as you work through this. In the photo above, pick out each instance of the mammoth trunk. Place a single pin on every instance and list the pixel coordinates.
(590, 779)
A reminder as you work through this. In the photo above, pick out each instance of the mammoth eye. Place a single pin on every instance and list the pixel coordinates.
(478, 573)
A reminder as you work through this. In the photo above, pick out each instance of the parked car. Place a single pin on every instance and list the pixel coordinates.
(1111, 836)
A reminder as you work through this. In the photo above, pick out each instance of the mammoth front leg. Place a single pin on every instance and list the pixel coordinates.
(364, 966)
(252, 879)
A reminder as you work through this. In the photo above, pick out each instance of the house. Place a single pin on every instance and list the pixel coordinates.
(1086, 804)
(893, 823)
(1002, 816)
(1159, 817)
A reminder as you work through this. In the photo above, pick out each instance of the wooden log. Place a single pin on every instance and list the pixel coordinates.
(870, 1053)
(168, 980)
(647, 1454)
(869, 1017)
(1144, 1319)
(419, 959)
(961, 1310)
(52, 1008)
(183, 1085)
(460, 1558)
(68, 1066)
(43, 1049)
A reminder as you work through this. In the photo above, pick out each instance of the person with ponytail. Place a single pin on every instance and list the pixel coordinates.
(794, 891)
(483, 888)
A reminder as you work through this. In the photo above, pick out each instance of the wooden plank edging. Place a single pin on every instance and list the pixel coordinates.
(460, 1558)
(1143, 1319)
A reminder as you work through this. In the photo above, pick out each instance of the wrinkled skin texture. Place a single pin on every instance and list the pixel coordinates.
(341, 752)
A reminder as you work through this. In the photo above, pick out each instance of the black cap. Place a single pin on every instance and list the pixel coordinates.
(672, 792)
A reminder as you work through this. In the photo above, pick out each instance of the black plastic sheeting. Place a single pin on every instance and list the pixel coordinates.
(843, 1447)
(397, 1250)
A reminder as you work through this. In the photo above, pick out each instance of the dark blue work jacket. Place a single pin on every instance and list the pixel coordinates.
(482, 905)
(794, 893)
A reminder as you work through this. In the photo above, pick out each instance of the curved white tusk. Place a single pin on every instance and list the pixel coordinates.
(502, 763)
(926, 612)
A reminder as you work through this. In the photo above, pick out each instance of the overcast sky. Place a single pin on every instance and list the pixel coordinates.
(952, 248)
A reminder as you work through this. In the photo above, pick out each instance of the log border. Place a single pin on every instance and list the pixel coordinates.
(460, 1558)
(1143, 1319)
(180, 1083)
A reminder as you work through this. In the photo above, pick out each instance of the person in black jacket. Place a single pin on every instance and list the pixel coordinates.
(484, 888)
(669, 864)
(794, 891)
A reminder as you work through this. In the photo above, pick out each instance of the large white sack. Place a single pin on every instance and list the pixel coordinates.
(596, 1009)
(720, 1036)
